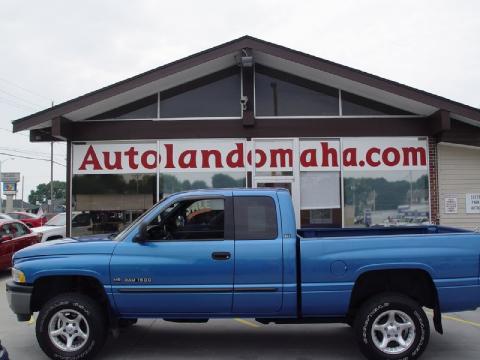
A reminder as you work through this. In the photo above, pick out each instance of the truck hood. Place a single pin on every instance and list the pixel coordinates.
(68, 246)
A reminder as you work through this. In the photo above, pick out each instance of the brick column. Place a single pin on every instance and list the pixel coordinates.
(433, 176)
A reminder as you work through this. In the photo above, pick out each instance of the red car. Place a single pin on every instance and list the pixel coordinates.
(14, 236)
(31, 220)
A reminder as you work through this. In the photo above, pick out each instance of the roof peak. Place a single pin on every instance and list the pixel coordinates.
(259, 45)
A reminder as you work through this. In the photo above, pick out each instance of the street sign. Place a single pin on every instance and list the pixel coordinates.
(451, 204)
(10, 177)
(472, 203)
(10, 188)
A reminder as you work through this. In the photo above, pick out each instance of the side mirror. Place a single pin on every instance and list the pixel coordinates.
(6, 238)
(142, 234)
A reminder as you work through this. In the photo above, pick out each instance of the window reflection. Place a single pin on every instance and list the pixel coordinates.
(111, 201)
(282, 94)
(216, 95)
(394, 198)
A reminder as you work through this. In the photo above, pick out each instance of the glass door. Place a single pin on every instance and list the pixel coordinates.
(275, 165)
(284, 183)
(274, 184)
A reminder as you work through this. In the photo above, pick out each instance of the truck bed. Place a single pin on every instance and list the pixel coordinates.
(378, 231)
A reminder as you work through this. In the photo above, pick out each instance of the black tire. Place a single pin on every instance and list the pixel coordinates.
(92, 315)
(375, 311)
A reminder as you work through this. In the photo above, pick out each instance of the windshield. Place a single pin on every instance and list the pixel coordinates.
(125, 231)
(57, 220)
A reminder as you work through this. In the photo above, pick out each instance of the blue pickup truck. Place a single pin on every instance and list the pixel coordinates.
(237, 253)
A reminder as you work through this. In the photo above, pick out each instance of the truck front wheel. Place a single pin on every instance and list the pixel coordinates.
(391, 326)
(71, 326)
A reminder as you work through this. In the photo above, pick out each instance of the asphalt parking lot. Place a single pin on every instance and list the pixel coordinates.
(239, 339)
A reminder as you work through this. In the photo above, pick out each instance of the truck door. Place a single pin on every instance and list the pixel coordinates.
(186, 264)
(258, 279)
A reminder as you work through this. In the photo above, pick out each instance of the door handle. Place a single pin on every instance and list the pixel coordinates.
(221, 255)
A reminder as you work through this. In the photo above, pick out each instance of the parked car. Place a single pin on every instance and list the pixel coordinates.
(56, 227)
(5, 217)
(237, 253)
(31, 220)
(3, 353)
(14, 236)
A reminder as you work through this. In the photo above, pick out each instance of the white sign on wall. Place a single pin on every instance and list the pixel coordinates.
(209, 155)
(451, 204)
(472, 202)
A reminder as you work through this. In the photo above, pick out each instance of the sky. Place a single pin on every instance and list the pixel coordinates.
(52, 51)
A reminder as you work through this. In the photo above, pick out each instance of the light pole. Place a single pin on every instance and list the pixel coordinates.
(1, 201)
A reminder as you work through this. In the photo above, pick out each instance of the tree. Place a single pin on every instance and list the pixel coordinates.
(226, 181)
(42, 192)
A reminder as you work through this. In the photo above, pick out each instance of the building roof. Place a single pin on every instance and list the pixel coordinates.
(283, 58)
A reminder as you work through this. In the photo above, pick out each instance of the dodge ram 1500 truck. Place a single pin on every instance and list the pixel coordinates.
(237, 253)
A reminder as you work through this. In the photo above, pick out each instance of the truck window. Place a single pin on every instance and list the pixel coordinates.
(199, 219)
(81, 220)
(255, 218)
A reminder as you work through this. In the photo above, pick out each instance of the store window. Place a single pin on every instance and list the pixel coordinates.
(281, 94)
(216, 95)
(174, 182)
(320, 204)
(108, 202)
(386, 198)
(145, 108)
(357, 105)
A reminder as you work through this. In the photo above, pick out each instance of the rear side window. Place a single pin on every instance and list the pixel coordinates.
(255, 218)
(81, 220)
(20, 229)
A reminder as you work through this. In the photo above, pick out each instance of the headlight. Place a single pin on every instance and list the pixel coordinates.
(18, 276)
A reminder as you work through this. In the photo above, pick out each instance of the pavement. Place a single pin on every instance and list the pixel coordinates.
(239, 339)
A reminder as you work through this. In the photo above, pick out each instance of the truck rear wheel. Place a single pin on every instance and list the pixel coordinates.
(71, 326)
(391, 326)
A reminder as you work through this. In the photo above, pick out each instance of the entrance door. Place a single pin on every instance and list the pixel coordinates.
(276, 164)
(284, 182)
(287, 184)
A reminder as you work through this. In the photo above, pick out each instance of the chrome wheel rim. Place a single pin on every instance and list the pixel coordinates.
(68, 330)
(393, 332)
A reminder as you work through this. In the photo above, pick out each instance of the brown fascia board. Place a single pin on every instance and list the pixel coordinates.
(259, 45)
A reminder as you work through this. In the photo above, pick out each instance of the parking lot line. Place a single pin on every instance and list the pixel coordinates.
(473, 323)
(454, 318)
(32, 320)
(246, 322)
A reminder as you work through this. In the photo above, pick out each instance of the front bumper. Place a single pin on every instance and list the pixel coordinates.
(19, 297)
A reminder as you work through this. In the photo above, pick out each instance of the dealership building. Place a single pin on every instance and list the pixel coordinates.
(352, 148)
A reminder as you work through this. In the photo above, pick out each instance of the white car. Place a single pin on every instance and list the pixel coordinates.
(5, 217)
(56, 227)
